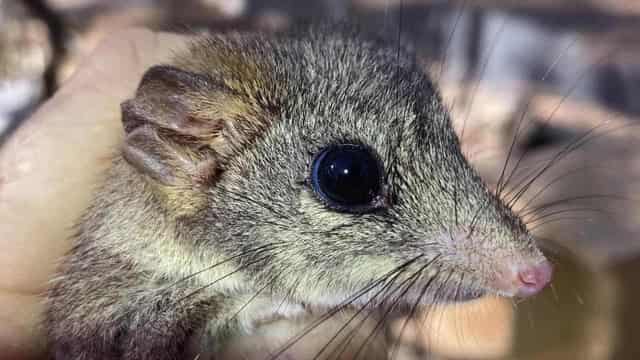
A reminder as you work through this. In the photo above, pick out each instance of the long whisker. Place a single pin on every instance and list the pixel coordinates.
(567, 149)
(555, 180)
(556, 220)
(162, 306)
(411, 314)
(437, 300)
(253, 298)
(289, 294)
(570, 210)
(472, 224)
(382, 279)
(527, 106)
(235, 271)
(258, 249)
(535, 168)
(568, 93)
(492, 47)
(551, 204)
(445, 52)
(564, 152)
(344, 347)
(415, 276)
(345, 342)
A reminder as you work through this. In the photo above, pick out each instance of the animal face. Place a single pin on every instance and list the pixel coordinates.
(330, 163)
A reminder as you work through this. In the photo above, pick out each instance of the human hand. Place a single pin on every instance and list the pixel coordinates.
(48, 169)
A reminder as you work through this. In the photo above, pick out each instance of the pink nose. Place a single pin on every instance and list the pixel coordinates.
(533, 278)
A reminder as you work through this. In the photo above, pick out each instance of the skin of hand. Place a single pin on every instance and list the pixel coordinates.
(48, 169)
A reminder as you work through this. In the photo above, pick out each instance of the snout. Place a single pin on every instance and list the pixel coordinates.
(523, 280)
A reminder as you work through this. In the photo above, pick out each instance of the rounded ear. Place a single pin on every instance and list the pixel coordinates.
(164, 129)
(181, 127)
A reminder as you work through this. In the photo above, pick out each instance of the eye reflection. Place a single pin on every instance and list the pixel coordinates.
(347, 176)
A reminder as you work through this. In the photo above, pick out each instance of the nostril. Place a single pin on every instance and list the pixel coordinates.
(529, 277)
(534, 278)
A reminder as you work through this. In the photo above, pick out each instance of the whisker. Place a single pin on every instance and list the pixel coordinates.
(343, 345)
(557, 179)
(472, 224)
(414, 307)
(553, 249)
(237, 270)
(382, 279)
(535, 168)
(568, 93)
(458, 327)
(258, 249)
(445, 53)
(557, 220)
(162, 306)
(390, 308)
(345, 342)
(383, 318)
(252, 298)
(564, 152)
(397, 288)
(567, 149)
(289, 294)
(492, 47)
(569, 210)
(438, 301)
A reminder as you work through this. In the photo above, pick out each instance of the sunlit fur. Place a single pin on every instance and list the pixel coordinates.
(146, 273)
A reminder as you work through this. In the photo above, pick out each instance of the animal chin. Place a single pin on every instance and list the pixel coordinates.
(461, 295)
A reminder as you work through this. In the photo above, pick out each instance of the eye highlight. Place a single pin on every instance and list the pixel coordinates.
(347, 178)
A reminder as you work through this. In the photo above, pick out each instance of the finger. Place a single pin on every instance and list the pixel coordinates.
(481, 328)
(49, 166)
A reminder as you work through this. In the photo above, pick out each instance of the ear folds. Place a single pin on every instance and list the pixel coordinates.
(164, 133)
(167, 162)
(181, 127)
(168, 98)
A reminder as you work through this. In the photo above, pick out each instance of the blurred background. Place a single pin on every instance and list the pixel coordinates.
(554, 87)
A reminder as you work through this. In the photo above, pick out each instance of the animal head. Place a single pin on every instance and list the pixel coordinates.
(329, 162)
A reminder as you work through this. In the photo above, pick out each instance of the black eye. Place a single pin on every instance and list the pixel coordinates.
(347, 177)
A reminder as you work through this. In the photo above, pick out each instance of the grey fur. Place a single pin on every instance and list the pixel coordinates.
(130, 288)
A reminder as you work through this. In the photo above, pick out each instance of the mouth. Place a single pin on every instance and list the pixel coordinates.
(420, 288)
(518, 280)
(444, 294)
